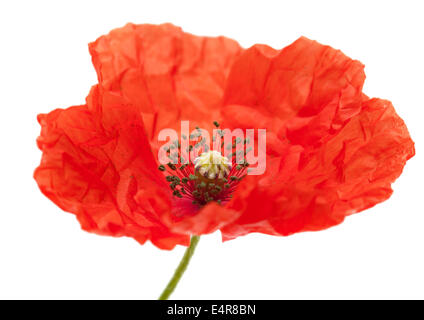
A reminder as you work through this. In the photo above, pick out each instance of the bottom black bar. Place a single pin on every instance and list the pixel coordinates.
(208, 309)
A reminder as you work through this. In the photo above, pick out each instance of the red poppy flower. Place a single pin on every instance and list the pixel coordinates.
(331, 151)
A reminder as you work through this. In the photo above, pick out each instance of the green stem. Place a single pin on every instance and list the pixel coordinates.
(180, 269)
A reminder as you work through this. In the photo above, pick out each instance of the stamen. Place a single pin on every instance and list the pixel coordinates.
(211, 177)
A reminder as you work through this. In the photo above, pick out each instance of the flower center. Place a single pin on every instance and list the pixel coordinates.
(212, 164)
(211, 176)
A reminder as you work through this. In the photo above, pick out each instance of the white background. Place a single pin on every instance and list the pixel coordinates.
(44, 64)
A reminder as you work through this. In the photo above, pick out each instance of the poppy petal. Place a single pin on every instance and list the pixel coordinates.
(95, 158)
(181, 215)
(302, 93)
(167, 74)
(351, 172)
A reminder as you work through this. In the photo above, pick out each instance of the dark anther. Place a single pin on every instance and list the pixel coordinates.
(172, 166)
(176, 179)
(177, 194)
